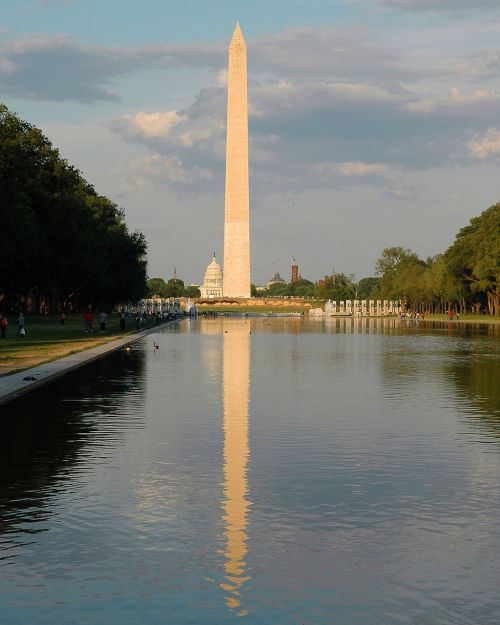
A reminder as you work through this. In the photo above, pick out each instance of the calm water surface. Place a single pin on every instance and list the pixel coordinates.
(260, 471)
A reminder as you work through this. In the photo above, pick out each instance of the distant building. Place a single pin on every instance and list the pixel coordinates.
(277, 279)
(331, 279)
(295, 272)
(212, 282)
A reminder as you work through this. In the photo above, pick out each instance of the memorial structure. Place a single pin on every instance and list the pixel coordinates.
(237, 204)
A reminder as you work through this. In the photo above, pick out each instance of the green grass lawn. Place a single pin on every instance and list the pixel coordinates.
(47, 340)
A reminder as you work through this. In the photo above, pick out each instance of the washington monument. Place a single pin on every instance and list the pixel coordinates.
(237, 208)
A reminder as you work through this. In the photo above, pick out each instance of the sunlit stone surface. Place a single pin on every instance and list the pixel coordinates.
(237, 208)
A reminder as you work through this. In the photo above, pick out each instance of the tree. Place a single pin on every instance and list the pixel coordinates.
(302, 288)
(391, 258)
(156, 286)
(192, 291)
(337, 287)
(175, 288)
(63, 245)
(474, 257)
(399, 271)
(278, 289)
(366, 286)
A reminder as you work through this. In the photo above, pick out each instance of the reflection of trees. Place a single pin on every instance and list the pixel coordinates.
(471, 364)
(477, 379)
(475, 371)
(45, 432)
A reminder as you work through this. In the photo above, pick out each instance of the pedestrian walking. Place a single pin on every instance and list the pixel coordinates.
(103, 317)
(89, 322)
(122, 319)
(3, 326)
(20, 325)
(62, 318)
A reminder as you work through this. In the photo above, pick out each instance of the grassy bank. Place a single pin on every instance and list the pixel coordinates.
(466, 318)
(47, 340)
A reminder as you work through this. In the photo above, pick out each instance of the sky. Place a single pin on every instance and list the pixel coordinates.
(372, 122)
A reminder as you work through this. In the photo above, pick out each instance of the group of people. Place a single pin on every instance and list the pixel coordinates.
(103, 319)
(4, 323)
(141, 319)
(412, 315)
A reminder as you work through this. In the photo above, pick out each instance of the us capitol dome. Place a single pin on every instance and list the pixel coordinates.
(212, 282)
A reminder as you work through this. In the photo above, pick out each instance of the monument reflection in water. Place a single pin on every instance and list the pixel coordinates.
(236, 450)
(236, 389)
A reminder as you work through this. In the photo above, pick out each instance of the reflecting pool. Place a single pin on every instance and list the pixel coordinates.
(267, 471)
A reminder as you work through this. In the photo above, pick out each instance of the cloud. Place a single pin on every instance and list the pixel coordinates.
(440, 5)
(328, 107)
(314, 135)
(363, 169)
(484, 64)
(486, 146)
(164, 171)
(189, 144)
(327, 54)
(197, 131)
(347, 61)
(55, 3)
(151, 125)
(455, 100)
(57, 67)
(357, 169)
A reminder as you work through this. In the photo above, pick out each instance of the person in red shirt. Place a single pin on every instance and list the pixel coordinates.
(3, 326)
(89, 321)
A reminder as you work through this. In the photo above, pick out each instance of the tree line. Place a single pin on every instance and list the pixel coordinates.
(158, 287)
(466, 277)
(64, 246)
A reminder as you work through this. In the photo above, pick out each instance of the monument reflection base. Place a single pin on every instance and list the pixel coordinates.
(256, 302)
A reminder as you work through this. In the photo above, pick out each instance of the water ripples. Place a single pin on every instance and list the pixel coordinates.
(301, 474)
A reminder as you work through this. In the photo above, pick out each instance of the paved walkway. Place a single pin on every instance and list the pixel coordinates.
(11, 386)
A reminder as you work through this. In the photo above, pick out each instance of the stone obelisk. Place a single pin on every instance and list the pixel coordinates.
(236, 281)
